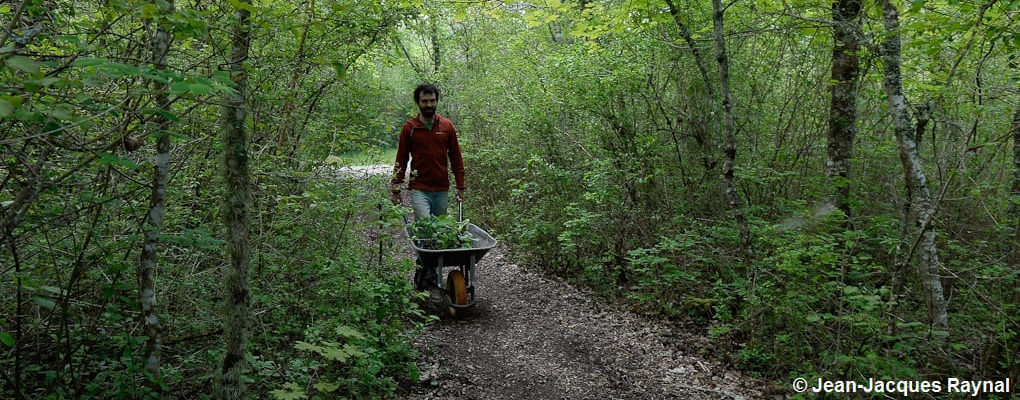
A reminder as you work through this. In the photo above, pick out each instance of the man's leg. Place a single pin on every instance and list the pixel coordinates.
(420, 204)
(439, 202)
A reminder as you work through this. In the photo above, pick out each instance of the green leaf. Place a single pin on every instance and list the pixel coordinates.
(113, 159)
(47, 82)
(242, 5)
(348, 332)
(170, 116)
(7, 339)
(58, 111)
(89, 62)
(23, 63)
(290, 391)
(6, 108)
(148, 10)
(326, 387)
(180, 87)
(200, 88)
(351, 350)
(44, 302)
(307, 346)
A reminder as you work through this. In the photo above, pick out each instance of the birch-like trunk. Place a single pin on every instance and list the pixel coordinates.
(920, 196)
(238, 200)
(157, 202)
(730, 146)
(843, 106)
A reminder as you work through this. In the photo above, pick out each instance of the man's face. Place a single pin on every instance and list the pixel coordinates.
(427, 104)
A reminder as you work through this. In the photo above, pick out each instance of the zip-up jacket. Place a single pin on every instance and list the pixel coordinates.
(428, 151)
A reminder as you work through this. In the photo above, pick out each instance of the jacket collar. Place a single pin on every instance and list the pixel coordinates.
(416, 123)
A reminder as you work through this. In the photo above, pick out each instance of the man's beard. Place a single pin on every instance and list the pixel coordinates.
(427, 112)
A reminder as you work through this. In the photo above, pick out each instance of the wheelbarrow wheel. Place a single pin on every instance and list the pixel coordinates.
(456, 292)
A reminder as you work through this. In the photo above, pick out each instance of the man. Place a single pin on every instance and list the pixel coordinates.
(429, 140)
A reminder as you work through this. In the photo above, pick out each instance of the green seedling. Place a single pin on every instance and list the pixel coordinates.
(441, 233)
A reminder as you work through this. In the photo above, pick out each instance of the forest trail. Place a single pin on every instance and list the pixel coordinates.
(363, 171)
(531, 337)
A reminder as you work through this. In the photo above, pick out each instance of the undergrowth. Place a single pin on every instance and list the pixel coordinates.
(821, 300)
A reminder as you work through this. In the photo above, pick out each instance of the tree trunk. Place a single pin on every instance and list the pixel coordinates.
(238, 200)
(1013, 259)
(730, 147)
(287, 126)
(701, 126)
(157, 205)
(843, 106)
(920, 196)
(1014, 194)
(435, 47)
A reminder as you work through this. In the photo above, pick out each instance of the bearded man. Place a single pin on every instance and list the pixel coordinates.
(429, 141)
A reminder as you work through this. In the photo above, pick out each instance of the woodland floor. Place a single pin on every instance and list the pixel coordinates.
(533, 337)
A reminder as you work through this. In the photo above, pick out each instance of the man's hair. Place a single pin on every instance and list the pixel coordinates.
(425, 88)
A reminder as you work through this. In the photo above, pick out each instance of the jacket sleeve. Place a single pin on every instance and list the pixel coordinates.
(403, 156)
(456, 161)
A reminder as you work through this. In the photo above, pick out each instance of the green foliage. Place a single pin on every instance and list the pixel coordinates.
(591, 149)
(600, 163)
(440, 232)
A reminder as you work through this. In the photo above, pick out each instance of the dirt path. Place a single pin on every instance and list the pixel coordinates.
(530, 337)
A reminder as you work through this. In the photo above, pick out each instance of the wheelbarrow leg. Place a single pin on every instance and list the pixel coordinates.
(437, 273)
(471, 279)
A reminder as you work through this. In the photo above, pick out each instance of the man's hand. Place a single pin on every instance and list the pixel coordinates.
(395, 197)
(459, 194)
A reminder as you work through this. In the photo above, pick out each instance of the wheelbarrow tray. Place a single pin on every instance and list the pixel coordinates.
(481, 241)
(463, 258)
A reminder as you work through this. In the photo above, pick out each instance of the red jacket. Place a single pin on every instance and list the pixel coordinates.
(428, 150)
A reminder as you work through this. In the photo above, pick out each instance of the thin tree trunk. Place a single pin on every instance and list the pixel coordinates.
(686, 34)
(843, 106)
(1014, 204)
(730, 147)
(928, 266)
(238, 200)
(11, 217)
(435, 46)
(18, 320)
(403, 50)
(1014, 213)
(700, 128)
(287, 126)
(1014, 199)
(157, 205)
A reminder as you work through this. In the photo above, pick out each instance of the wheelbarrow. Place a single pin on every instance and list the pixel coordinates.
(458, 289)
